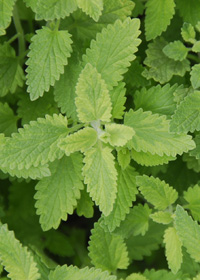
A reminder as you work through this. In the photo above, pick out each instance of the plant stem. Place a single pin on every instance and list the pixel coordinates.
(193, 57)
(20, 31)
(13, 38)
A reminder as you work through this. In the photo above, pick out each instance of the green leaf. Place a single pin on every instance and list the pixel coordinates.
(73, 273)
(156, 21)
(176, 50)
(152, 134)
(57, 195)
(186, 117)
(192, 162)
(79, 141)
(163, 274)
(8, 121)
(189, 232)
(136, 276)
(173, 249)
(195, 73)
(109, 254)
(160, 67)
(6, 9)
(117, 134)
(113, 50)
(46, 64)
(192, 196)
(11, 73)
(196, 151)
(189, 10)
(85, 205)
(126, 194)
(136, 222)
(17, 260)
(160, 217)
(93, 8)
(100, 176)
(93, 100)
(188, 33)
(157, 192)
(123, 157)
(118, 99)
(157, 99)
(35, 144)
(147, 159)
(64, 90)
(196, 47)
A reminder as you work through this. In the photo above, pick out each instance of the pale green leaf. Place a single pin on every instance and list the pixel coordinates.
(157, 192)
(192, 196)
(11, 73)
(136, 222)
(197, 277)
(160, 217)
(163, 274)
(189, 232)
(93, 100)
(117, 134)
(74, 273)
(186, 117)
(160, 67)
(79, 141)
(118, 99)
(188, 33)
(16, 259)
(100, 176)
(123, 157)
(176, 50)
(196, 47)
(195, 76)
(126, 194)
(85, 205)
(152, 134)
(6, 10)
(110, 253)
(35, 144)
(192, 162)
(147, 159)
(46, 64)
(136, 276)
(157, 99)
(114, 49)
(196, 151)
(189, 10)
(158, 17)
(8, 121)
(173, 250)
(64, 90)
(93, 8)
(57, 195)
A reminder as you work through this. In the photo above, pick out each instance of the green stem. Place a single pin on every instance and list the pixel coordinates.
(20, 31)
(13, 38)
(193, 57)
(57, 24)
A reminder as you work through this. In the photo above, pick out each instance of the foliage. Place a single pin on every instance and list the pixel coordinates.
(99, 139)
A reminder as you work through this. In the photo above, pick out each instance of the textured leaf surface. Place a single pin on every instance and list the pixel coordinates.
(173, 249)
(57, 195)
(6, 7)
(157, 99)
(109, 254)
(152, 134)
(136, 222)
(118, 134)
(79, 141)
(147, 159)
(189, 232)
(93, 100)
(158, 17)
(8, 121)
(160, 67)
(187, 115)
(196, 151)
(189, 10)
(192, 196)
(93, 8)
(195, 76)
(162, 274)
(123, 157)
(16, 259)
(74, 273)
(176, 50)
(46, 64)
(118, 100)
(157, 192)
(188, 33)
(114, 49)
(100, 176)
(136, 276)
(85, 205)
(162, 217)
(126, 194)
(35, 144)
